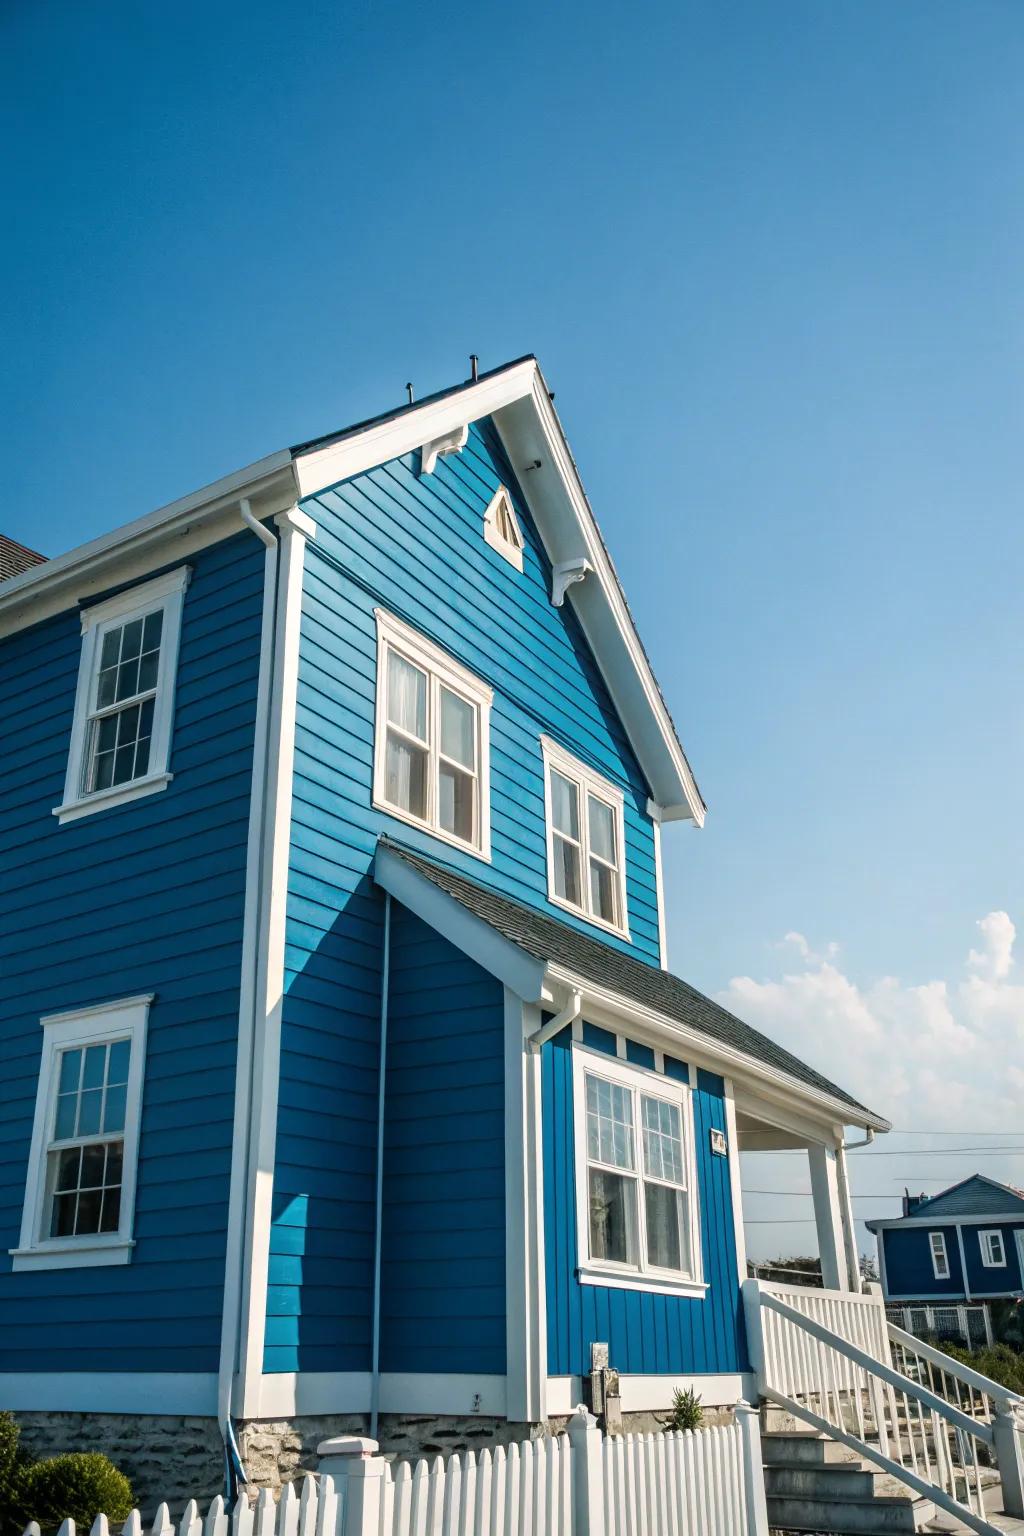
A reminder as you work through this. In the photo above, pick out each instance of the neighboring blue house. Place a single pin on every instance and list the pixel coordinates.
(950, 1256)
(354, 760)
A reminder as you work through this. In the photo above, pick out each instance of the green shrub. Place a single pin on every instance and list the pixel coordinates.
(999, 1363)
(78, 1486)
(687, 1410)
(12, 1465)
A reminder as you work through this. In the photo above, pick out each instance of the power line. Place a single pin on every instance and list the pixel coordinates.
(887, 1195)
(944, 1152)
(897, 1132)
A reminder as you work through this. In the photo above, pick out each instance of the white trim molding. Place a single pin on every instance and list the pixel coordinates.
(163, 595)
(442, 672)
(641, 1394)
(588, 784)
(526, 1301)
(95, 1025)
(161, 1393)
(285, 1393)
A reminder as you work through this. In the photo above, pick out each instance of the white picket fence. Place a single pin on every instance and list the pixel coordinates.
(706, 1482)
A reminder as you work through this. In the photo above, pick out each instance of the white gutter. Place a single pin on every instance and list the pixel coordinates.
(379, 1218)
(569, 1014)
(233, 1264)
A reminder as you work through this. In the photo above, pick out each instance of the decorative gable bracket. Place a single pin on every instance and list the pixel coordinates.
(439, 447)
(565, 575)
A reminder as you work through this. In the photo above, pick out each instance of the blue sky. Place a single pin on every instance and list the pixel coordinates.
(769, 256)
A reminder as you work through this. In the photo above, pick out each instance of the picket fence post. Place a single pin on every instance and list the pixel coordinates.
(748, 1419)
(587, 1472)
(351, 1461)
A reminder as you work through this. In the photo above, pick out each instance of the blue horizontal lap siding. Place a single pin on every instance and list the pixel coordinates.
(415, 547)
(908, 1262)
(145, 897)
(647, 1334)
(443, 1257)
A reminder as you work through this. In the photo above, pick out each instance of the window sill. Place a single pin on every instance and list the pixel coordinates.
(627, 1280)
(429, 831)
(76, 1254)
(588, 917)
(120, 794)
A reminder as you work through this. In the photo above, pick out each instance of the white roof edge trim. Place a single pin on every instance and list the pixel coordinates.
(319, 468)
(130, 537)
(716, 1050)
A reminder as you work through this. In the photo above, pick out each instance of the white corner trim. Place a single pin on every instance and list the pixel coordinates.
(439, 447)
(588, 782)
(566, 574)
(735, 1181)
(269, 948)
(166, 595)
(659, 889)
(164, 1393)
(92, 1025)
(525, 1290)
(442, 671)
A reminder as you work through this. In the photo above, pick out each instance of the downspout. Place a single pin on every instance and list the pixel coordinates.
(247, 1011)
(379, 1219)
(569, 1014)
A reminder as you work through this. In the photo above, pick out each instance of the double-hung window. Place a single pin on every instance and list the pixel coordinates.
(431, 753)
(586, 857)
(636, 1194)
(80, 1191)
(993, 1249)
(121, 734)
(940, 1258)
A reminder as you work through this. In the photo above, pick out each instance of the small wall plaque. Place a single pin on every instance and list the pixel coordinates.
(719, 1145)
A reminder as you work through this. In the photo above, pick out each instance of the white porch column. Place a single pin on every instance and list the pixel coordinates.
(846, 1216)
(828, 1217)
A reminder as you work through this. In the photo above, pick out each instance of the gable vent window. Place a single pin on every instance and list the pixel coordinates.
(501, 528)
(431, 755)
(586, 861)
(121, 735)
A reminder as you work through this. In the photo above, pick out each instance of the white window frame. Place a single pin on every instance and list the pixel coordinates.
(509, 549)
(441, 669)
(165, 593)
(641, 1276)
(587, 782)
(126, 1019)
(939, 1254)
(987, 1240)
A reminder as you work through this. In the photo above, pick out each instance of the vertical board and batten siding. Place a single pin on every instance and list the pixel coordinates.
(908, 1262)
(144, 897)
(443, 1270)
(414, 546)
(646, 1334)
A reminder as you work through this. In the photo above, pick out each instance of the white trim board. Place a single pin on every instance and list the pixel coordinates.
(136, 1392)
(652, 1393)
(308, 1392)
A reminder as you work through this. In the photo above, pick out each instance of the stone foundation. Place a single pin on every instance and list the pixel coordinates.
(164, 1458)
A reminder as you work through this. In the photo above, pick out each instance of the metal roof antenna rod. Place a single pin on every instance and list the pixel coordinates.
(411, 393)
(474, 367)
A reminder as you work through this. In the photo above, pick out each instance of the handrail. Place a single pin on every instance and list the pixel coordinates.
(873, 1367)
(1004, 1399)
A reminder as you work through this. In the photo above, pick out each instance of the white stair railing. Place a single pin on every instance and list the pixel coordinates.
(852, 1391)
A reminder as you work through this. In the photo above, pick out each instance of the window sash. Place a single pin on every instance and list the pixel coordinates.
(591, 865)
(993, 1250)
(940, 1258)
(640, 1177)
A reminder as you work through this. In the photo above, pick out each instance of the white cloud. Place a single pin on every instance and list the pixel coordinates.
(945, 1054)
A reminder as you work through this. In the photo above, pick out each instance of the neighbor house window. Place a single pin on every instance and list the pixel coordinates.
(586, 857)
(993, 1250)
(431, 755)
(637, 1207)
(940, 1258)
(79, 1196)
(121, 734)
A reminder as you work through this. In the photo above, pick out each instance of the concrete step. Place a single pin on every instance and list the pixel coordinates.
(804, 1446)
(838, 1480)
(848, 1517)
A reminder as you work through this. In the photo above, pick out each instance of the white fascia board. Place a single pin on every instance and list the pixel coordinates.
(512, 966)
(693, 1045)
(168, 534)
(316, 469)
(937, 1220)
(531, 432)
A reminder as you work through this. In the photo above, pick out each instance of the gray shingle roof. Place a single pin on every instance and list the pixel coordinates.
(975, 1196)
(548, 940)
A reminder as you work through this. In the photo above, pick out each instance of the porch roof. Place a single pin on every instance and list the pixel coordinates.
(553, 943)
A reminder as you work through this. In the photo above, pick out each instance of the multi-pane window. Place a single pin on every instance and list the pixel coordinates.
(85, 1155)
(993, 1249)
(940, 1258)
(432, 738)
(120, 739)
(586, 866)
(80, 1193)
(638, 1182)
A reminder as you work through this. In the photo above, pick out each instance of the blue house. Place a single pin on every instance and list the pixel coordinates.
(345, 1081)
(950, 1256)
